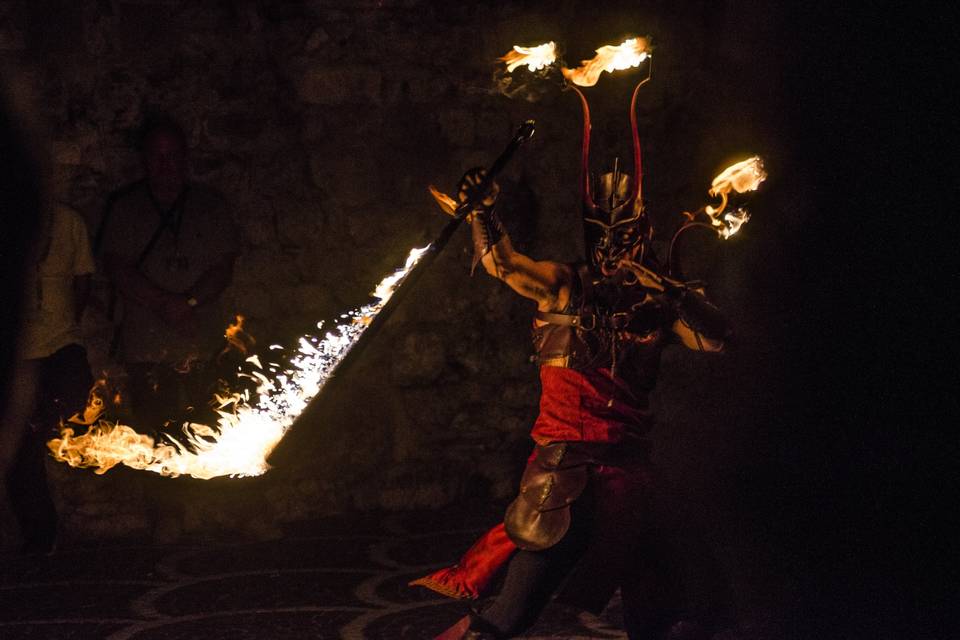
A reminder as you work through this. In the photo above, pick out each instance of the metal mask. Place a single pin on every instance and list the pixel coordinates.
(614, 223)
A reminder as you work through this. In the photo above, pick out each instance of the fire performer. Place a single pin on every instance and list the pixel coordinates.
(599, 331)
(587, 515)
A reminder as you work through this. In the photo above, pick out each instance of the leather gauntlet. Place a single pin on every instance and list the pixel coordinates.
(702, 316)
(486, 230)
(485, 224)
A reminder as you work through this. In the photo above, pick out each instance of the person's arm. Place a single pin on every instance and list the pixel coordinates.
(696, 341)
(547, 283)
(132, 283)
(701, 326)
(544, 281)
(172, 307)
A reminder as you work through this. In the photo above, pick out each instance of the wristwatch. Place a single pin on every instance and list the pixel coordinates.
(192, 302)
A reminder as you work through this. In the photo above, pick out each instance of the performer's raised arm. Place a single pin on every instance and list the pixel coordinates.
(546, 282)
(700, 325)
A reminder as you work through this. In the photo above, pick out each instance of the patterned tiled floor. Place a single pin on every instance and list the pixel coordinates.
(339, 578)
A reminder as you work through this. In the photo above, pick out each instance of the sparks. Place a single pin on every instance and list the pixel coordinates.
(628, 54)
(246, 433)
(536, 58)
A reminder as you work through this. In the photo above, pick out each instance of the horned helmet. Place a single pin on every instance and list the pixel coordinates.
(614, 219)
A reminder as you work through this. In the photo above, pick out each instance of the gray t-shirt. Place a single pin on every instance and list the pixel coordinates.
(200, 233)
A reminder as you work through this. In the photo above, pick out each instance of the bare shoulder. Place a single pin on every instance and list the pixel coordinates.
(561, 278)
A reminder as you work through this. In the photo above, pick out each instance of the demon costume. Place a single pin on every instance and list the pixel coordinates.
(586, 495)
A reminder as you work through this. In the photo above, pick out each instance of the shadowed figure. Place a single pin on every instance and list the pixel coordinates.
(41, 343)
(169, 246)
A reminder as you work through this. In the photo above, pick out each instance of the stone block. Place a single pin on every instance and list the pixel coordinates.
(494, 127)
(344, 85)
(298, 224)
(349, 176)
(67, 152)
(254, 301)
(11, 40)
(317, 39)
(234, 125)
(315, 302)
(415, 495)
(426, 87)
(264, 266)
(419, 360)
(119, 525)
(458, 126)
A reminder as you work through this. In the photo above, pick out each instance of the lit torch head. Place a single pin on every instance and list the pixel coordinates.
(626, 55)
(536, 58)
(740, 178)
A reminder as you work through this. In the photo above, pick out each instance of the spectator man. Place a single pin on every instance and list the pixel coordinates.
(169, 246)
(53, 375)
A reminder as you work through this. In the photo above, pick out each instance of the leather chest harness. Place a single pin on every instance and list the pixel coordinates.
(608, 318)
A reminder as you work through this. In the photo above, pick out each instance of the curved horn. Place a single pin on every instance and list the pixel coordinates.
(585, 153)
(637, 155)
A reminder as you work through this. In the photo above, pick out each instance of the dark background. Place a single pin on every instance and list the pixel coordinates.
(812, 453)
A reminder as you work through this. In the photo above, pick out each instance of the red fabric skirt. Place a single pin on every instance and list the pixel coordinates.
(620, 496)
(584, 406)
(588, 406)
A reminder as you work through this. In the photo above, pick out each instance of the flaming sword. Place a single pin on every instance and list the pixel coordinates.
(249, 430)
(425, 258)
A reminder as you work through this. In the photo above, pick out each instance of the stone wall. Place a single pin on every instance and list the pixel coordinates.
(323, 122)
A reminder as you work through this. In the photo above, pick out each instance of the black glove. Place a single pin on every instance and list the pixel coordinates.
(468, 190)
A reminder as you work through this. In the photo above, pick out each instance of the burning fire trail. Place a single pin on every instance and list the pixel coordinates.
(246, 433)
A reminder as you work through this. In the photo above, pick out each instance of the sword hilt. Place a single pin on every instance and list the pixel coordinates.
(524, 133)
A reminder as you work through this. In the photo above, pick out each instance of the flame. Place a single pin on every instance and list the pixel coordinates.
(739, 177)
(246, 433)
(97, 399)
(734, 220)
(536, 58)
(237, 338)
(629, 53)
(448, 204)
